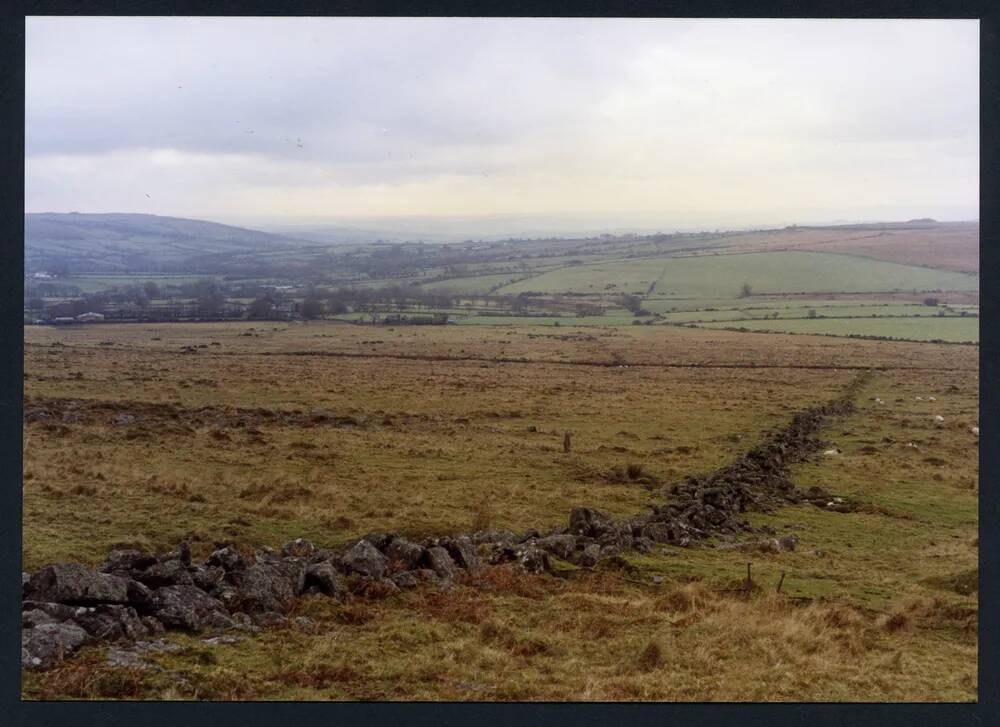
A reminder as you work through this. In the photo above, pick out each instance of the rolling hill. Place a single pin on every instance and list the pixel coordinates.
(136, 242)
(720, 276)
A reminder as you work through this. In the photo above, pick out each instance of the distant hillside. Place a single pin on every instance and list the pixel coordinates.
(132, 242)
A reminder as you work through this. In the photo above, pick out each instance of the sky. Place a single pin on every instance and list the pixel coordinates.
(674, 122)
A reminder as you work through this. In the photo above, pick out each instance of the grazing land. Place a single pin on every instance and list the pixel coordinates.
(255, 433)
(916, 328)
(716, 275)
(80, 264)
(534, 401)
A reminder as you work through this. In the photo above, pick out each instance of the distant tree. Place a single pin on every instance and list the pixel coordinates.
(262, 307)
(931, 301)
(812, 313)
(587, 309)
(746, 290)
(311, 308)
(521, 303)
(209, 297)
(151, 289)
(631, 303)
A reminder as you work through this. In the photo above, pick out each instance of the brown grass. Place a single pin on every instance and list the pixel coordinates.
(877, 604)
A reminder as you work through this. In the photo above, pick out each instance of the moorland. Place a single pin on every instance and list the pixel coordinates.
(600, 373)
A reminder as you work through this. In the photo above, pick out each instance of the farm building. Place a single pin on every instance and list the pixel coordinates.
(90, 317)
(63, 320)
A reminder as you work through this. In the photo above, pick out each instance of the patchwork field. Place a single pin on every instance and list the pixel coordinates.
(722, 275)
(954, 247)
(943, 245)
(254, 434)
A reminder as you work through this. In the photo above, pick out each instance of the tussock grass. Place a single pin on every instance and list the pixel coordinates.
(876, 605)
(691, 642)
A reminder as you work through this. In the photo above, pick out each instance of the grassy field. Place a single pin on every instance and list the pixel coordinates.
(926, 328)
(406, 466)
(800, 309)
(721, 276)
(97, 283)
(443, 427)
(947, 246)
(472, 284)
(954, 247)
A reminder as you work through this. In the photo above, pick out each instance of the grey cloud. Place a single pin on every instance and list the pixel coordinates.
(345, 91)
(605, 108)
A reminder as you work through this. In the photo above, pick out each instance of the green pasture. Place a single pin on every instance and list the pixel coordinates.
(722, 276)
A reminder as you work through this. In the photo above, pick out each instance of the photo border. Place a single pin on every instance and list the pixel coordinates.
(221, 714)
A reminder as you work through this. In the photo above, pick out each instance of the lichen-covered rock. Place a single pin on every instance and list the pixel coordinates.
(590, 522)
(591, 554)
(35, 617)
(561, 546)
(493, 536)
(242, 621)
(365, 559)
(111, 623)
(321, 555)
(440, 562)
(164, 573)
(187, 607)
(140, 596)
(406, 579)
(76, 584)
(380, 540)
(533, 559)
(298, 548)
(228, 558)
(46, 645)
(208, 578)
(58, 611)
(409, 554)
(662, 532)
(500, 552)
(642, 544)
(122, 562)
(462, 551)
(271, 585)
(153, 625)
(182, 553)
(324, 578)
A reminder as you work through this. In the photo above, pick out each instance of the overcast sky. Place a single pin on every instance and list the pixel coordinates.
(684, 120)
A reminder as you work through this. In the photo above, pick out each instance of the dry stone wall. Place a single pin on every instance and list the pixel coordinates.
(135, 596)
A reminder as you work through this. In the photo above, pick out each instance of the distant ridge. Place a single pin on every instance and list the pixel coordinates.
(117, 242)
